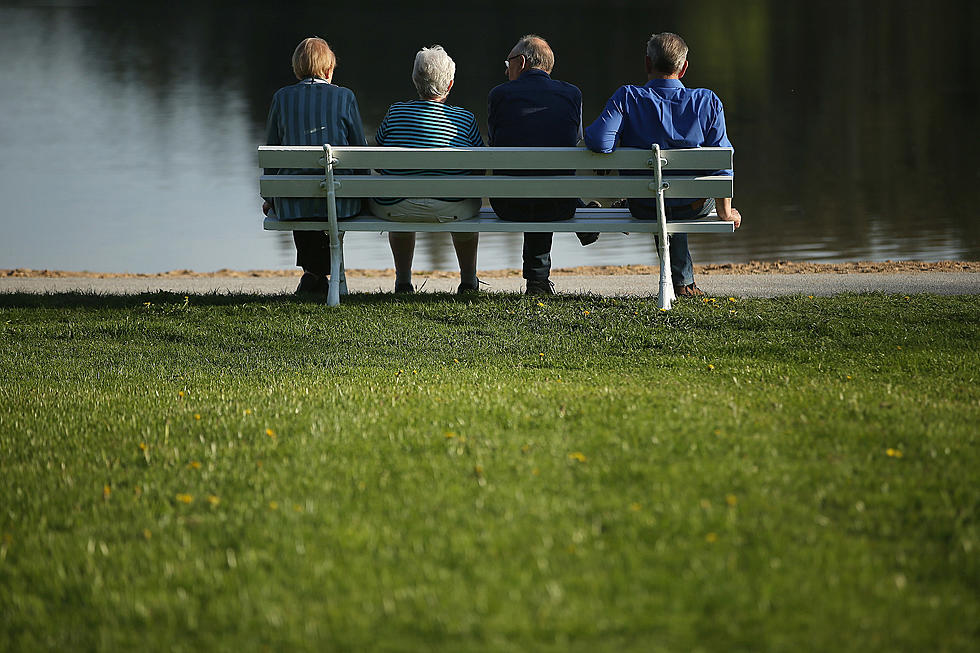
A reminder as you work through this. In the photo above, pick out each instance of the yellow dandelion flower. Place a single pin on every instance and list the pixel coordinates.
(711, 538)
(810, 296)
(147, 303)
(635, 507)
(478, 470)
(577, 455)
(710, 366)
(536, 471)
(585, 312)
(270, 433)
(525, 448)
(541, 304)
(899, 346)
(247, 411)
(184, 498)
(848, 377)
(449, 435)
(194, 465)
(893, 453)
(717, 431)
(731, 500)
(197, 415)
(731, 299)
(541, 354)
(106, 491)
(273, 505)
(147, 534)
(180, 393)
(213, 500)
(142, 446)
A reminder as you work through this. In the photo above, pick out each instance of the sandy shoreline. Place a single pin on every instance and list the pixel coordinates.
(753, 267)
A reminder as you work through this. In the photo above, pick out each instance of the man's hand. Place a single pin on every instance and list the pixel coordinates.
(266, 207)
(727, 212)
(734, 216)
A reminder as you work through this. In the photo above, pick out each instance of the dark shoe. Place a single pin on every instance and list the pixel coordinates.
(618, 204)
(404, 289)
(311, 284)
(690, 290)
(587, 238)
(539, 287)
(464, 288)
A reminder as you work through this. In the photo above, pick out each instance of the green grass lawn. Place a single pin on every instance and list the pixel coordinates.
(243, 473)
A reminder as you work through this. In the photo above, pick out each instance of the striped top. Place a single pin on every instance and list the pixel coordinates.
(313, 112)
(426, 123)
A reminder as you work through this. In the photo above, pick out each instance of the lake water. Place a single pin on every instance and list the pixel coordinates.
(128, 130)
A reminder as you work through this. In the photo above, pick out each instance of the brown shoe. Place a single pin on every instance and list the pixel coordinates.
(539, 287)
(690, 290)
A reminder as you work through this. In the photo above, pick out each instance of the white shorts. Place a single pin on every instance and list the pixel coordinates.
(427, 209)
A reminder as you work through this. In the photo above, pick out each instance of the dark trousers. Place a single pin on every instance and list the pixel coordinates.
(537, 246)
(313, 251)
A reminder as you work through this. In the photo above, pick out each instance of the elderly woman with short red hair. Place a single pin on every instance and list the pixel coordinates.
(313, 112)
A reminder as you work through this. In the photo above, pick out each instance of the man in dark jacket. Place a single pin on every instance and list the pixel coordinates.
(534, 110)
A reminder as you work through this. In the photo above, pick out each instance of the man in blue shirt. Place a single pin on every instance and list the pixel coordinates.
(665, 112)
(532, 109)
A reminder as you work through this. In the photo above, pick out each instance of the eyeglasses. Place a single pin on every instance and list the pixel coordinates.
(507, 62)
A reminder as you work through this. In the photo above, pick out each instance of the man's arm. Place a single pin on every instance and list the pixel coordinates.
(717, 136)
(272, 137)
(601, 135)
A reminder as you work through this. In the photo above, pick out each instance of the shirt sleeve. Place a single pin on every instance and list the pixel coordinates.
(355, 131)
(715, 134)
(272, 136)
(601, 135)
(491, 117)
(474, 137)
(379, 136)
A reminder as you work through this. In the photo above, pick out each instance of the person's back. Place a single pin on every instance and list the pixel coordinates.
(312, 112)
(665, 112)
(534, 110)
(430, 122)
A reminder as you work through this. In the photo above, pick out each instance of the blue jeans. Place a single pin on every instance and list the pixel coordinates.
(681, 265)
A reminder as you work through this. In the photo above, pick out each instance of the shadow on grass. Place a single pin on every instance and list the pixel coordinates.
(99, 300)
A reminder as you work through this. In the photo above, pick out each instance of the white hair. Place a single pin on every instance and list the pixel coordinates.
(434, 70)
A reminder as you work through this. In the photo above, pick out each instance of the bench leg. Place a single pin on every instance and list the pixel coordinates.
(343, 269)
(666, 295)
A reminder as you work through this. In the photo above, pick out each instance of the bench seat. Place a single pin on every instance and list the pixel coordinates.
(585, 220)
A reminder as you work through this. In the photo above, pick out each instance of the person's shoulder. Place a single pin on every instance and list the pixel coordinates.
(460, 111)
(705, 94)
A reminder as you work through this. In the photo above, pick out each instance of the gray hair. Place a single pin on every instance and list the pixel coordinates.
(536, 52)
(434, 70)
(667, 52)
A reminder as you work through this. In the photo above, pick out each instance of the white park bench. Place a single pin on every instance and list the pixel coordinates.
(595, 178)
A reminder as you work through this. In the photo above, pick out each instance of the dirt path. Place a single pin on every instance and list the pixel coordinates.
(753, 267)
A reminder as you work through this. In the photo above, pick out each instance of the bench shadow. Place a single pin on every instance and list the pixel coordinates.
(94, 300)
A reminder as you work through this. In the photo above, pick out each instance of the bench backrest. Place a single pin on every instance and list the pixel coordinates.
(695, 166)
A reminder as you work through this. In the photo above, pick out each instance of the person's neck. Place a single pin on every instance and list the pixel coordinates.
(653, 76)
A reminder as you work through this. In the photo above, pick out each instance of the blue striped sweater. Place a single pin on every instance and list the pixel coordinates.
(425, 123)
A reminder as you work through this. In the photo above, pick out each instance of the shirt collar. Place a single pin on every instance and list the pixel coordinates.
(314, 80)
(664, 83)
(534, 72)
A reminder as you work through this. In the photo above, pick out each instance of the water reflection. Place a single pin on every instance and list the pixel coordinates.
(129, 129)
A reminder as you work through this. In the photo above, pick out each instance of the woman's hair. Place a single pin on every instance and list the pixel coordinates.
(313, 58)
(434, 70)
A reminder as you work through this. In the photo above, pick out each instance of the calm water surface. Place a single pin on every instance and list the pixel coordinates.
(128, 130)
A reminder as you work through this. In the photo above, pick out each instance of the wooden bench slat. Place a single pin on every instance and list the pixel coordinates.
(500, 158)
(492, 186)
(600, 220)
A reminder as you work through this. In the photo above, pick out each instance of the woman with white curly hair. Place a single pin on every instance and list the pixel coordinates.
(430, 122)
